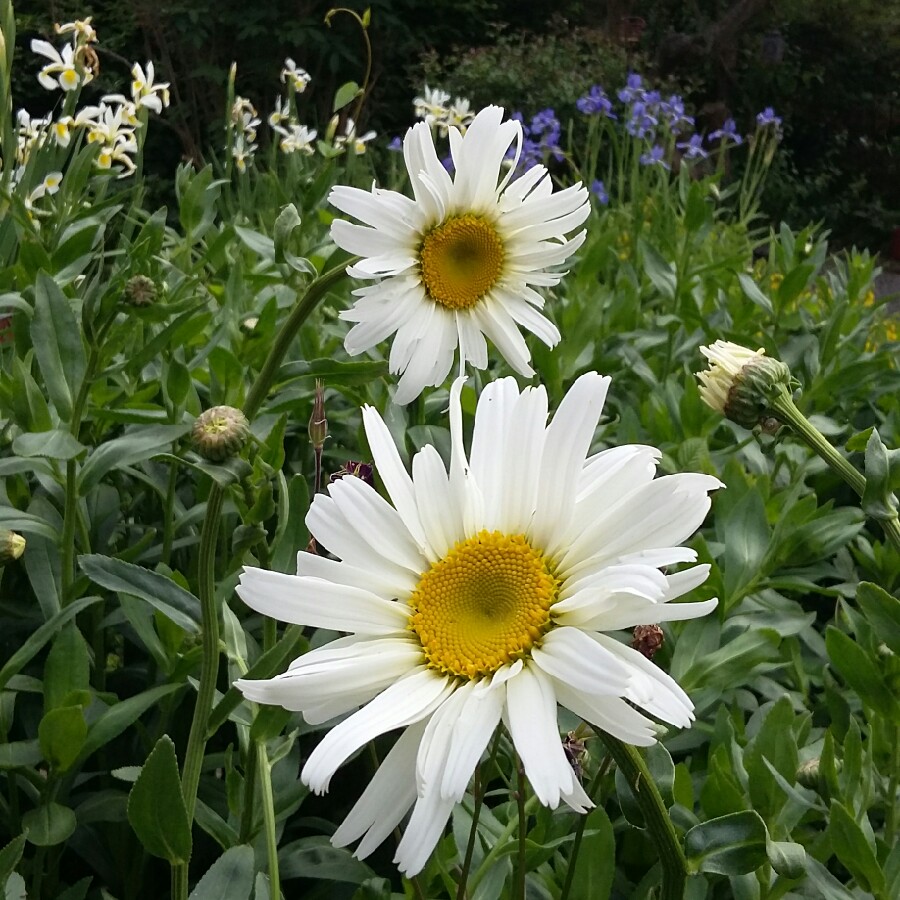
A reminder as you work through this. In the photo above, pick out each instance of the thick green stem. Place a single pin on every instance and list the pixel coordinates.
(519, 892)
(248, 801)
(656, 816)
(268, 802)
(286, 335)
(786, 411)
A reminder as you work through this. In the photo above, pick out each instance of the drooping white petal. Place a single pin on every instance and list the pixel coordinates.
(570, 655)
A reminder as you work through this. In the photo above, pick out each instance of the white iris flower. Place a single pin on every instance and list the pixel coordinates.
(483, 595)
(62, 70)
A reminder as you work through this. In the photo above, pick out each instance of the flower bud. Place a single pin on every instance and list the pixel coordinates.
(140, 291)
(220, 432)
(12, 546)
(742, 383)
(318, 424)
(808, 774)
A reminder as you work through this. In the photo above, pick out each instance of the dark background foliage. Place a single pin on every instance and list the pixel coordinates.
(829, 67)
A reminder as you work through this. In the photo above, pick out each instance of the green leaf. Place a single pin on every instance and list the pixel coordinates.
(748, 534)
(53, 444)
(127, 450)
(787, 858)
(16, 754)
(595, 866)
(173, 601)
(16, 520)
(882, 612)
(33, 644)
(661, 273)
(853, 850)
(230, 877)
(346, 93)
(730, 845)
(877, 499)
(58, 347)
(62, 733)
(68, 667)
(10, 856)
(314, 857)
(260, 244)
(333, 371)
(288, 219)
(49, 825)
(754, 294)
(773, 742)
(156, 808)
(122, 715)
(858, 670)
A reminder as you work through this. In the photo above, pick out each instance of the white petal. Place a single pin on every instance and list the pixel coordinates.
(320, 604)
(408, 700)
(570, 655)
(387, 797)
(531, 719)
(498, 325)
(438, 508)
(426, 825)
(611, 714)
(566, 446)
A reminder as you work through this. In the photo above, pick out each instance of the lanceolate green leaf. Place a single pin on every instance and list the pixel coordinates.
(229, 878)
(730, 845)
(156, 807)
(58, 346)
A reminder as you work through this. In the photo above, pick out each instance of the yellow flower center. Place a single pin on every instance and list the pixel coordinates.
(485, 604)
(461, 260)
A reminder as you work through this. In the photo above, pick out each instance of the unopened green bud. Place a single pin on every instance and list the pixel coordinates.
(140, 291)
(318, 424)
(808, 774)
(742, 383)
(220, 432)
(12, 546)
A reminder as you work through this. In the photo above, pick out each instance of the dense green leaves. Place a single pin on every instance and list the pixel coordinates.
(729, 845)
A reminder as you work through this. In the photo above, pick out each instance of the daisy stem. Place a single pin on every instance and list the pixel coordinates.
(285, 337)
(482, 776)
(268, 803)
(523, 830)
(659, 825)
(501, 843)
(594, 788)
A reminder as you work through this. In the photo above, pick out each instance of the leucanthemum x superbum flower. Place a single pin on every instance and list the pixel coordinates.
(483, 595)
(460, 261)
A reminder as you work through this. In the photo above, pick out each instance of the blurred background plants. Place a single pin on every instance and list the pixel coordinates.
(123, 321)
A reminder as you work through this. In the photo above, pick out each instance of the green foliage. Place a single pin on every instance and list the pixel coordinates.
(787, 782)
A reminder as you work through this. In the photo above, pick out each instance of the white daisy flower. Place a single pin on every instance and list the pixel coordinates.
(482, 595)
(460, 261)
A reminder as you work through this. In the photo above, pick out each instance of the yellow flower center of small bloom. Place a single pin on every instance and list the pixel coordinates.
(461, 260)
(483, 605)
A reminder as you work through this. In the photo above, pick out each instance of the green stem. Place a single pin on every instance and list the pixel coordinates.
(523, 830)
(209, 665)
(268, 802)
(890, 818)
(786, 411)
(602, 769)
(314, 293)
(656, 816)
(501, 843)
(249, 798)
(169, 513)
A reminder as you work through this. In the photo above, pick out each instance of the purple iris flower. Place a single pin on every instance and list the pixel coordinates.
(693, 148)
(598, 189)
(768, 117)
(543, 121)
(642, 122)
(728, 132)
(633, 88)
(673, 110)
(654, 157)
(396, 145)
(595, 102)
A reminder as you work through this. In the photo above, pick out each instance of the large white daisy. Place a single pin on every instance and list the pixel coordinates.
(461, 260)
(483, 595)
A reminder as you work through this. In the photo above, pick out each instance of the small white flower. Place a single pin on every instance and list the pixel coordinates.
(480, 595)
(81, 30)
(281, 114)
(62, 66)
(460, 115)
(245, 116)
(48, 187)
(296, 139)
(242, 151)
(726, 362)
(350, 139)
(299, 78)
(433, 104)
(460, 261)
(144, 92)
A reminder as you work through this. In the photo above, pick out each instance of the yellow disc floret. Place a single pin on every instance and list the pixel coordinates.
(483, 605)
(461, 260)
